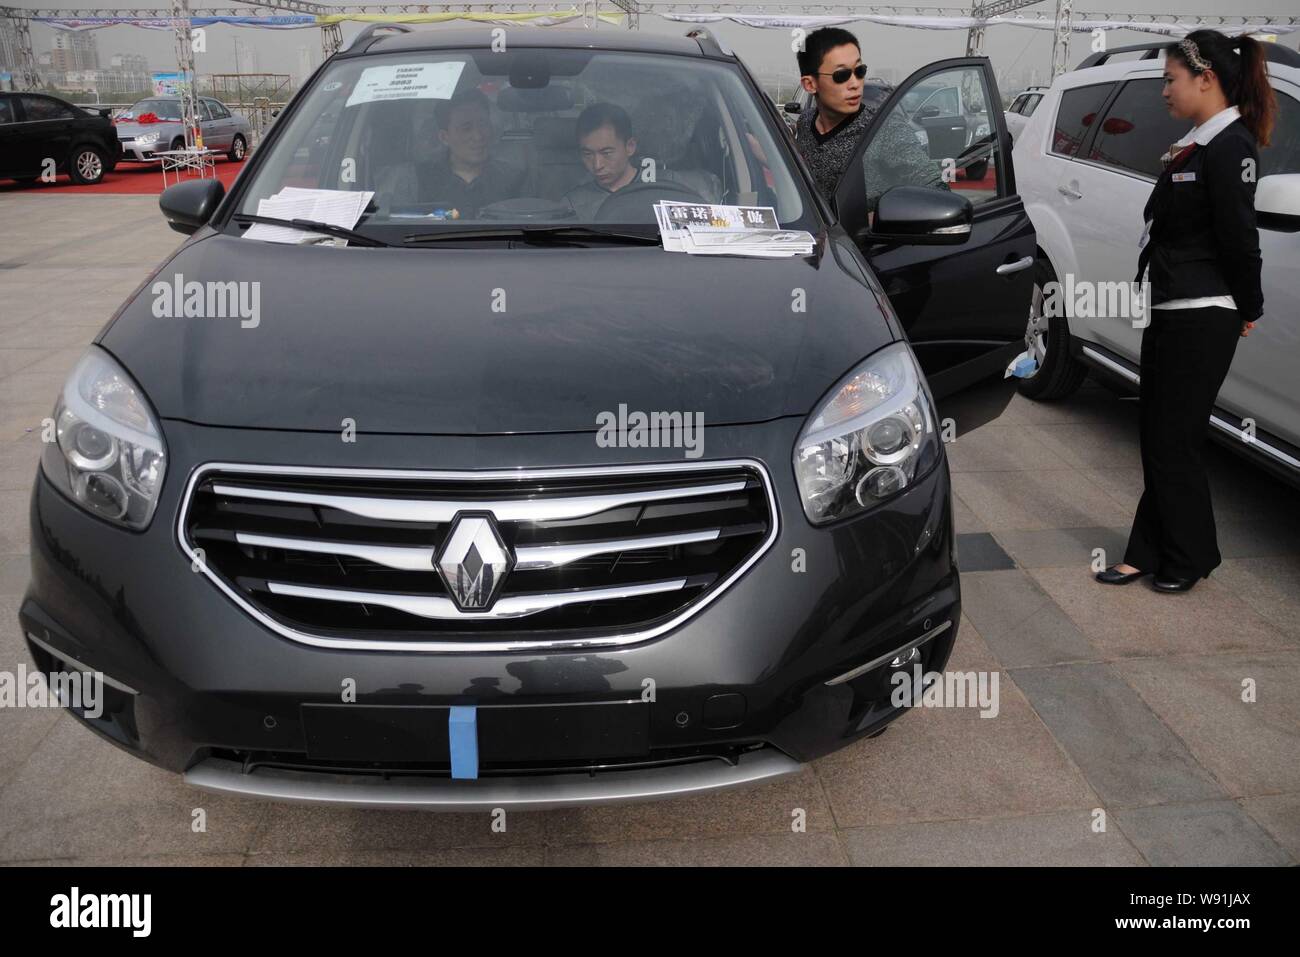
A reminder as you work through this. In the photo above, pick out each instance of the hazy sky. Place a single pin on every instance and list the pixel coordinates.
(765, 51)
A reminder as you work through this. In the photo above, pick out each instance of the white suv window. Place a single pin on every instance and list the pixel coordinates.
(1075, 116)
(1137, 129)
(1283, 153)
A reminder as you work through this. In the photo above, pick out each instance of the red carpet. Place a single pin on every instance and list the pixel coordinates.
(136, 178)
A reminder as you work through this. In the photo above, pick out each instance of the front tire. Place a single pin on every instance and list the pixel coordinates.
(238, 149)
(1059, 373)
(86, 166)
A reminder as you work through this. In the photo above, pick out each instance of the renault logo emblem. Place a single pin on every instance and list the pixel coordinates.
(473, 561)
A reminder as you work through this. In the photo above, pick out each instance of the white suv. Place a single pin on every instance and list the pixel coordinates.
(1085, 164)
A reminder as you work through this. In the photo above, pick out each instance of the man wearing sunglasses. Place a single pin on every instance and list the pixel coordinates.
(832, 70)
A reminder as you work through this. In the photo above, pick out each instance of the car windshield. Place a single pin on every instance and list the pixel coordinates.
(556, 137)
(163, 109)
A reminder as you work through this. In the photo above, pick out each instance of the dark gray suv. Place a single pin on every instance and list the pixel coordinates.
(488, 499)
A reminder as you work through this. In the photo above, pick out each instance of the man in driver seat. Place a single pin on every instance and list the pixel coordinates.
(608, 151)
(468, 179)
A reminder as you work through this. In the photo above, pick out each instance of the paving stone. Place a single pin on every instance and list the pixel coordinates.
(1134, 620)
(1062, 839)
(1252, 747)
(1126, 753)
(1214, 833)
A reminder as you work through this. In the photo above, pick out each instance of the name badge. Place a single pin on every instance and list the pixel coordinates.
(1184, 177)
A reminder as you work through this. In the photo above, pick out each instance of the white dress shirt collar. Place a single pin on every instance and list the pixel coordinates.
(1201, 135)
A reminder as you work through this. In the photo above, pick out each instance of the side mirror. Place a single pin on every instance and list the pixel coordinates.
(918, 215)
(190, 205)
(794, 106)
(1277, 202)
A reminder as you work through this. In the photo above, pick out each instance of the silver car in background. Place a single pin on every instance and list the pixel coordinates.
(162, 128)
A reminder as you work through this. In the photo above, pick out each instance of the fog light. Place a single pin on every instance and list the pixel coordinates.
(907, 658)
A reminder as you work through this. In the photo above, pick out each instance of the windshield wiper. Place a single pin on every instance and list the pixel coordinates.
(537, 232)
(311, 226)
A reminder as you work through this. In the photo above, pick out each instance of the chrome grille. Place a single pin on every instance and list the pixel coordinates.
(345, 558)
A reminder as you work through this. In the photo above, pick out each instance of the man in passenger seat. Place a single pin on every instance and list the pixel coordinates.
(468, 179)
(608, 151)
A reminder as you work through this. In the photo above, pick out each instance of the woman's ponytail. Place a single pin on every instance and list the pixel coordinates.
(1242, 70)
(1255, 97)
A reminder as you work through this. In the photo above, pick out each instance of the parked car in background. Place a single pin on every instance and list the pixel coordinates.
(1022, 108)
(1087, 161)
(154, 125)
(36, 128)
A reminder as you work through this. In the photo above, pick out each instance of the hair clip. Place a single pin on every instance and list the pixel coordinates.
(1193, 55)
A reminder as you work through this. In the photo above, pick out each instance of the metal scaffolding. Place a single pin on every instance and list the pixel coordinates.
(332, 37)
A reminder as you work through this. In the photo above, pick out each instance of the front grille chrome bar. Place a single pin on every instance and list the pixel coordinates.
(413, 558)
(440, 511)
(511, 606)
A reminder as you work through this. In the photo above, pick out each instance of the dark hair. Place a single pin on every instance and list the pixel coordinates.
(471, 97)
(1243, 75)
(605, 114)
(819, 43)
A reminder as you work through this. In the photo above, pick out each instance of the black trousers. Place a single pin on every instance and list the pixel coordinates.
(1185, 358)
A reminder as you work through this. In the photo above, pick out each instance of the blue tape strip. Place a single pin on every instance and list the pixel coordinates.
(462, 734)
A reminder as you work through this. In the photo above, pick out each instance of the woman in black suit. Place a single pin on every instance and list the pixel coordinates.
(1202, 248)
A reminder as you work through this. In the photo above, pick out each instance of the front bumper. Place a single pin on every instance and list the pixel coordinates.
(213, 693)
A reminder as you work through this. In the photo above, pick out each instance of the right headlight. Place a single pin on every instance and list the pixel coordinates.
(108, 455)
(869, 439)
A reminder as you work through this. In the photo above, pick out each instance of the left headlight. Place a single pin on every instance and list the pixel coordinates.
(108, 455)
(869, 439)
(146, 138)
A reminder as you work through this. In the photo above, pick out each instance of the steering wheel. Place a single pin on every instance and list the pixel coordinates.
(632, 203)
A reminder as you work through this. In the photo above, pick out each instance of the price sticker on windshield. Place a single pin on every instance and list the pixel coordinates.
(407, 81)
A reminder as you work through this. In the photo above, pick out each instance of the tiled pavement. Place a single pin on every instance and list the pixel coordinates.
(1114, 699)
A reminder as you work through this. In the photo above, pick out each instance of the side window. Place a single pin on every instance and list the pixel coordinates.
(1137, 129)
(205, 110)
(6, 110)
(218, 111)
(1075, 116)
(929, 141)
(1282, 155)
(42, 108)
(1031, 104)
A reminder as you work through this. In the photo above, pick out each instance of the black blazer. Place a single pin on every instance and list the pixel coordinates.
(1203, 240)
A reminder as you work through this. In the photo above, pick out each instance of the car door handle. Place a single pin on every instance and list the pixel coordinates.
(1072, 193)
(1007, 269)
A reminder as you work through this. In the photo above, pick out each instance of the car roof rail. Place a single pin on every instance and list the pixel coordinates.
(709, 44)
(368, 34)
(1273, 53)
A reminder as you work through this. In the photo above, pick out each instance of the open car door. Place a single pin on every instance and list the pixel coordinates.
(930, 199)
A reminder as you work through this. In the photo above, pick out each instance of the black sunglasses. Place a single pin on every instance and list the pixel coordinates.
(843, 73)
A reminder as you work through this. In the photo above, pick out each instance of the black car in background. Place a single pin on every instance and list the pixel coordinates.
(36, 128)
(365, 533)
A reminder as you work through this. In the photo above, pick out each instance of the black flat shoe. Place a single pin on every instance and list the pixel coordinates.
(1113, 577)
(1172, 584)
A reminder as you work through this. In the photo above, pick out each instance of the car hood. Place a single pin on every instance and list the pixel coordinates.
(487, 339)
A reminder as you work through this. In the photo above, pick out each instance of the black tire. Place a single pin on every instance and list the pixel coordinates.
(1059, 373)
(178, 143)
(238, 149)
(86, 165)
